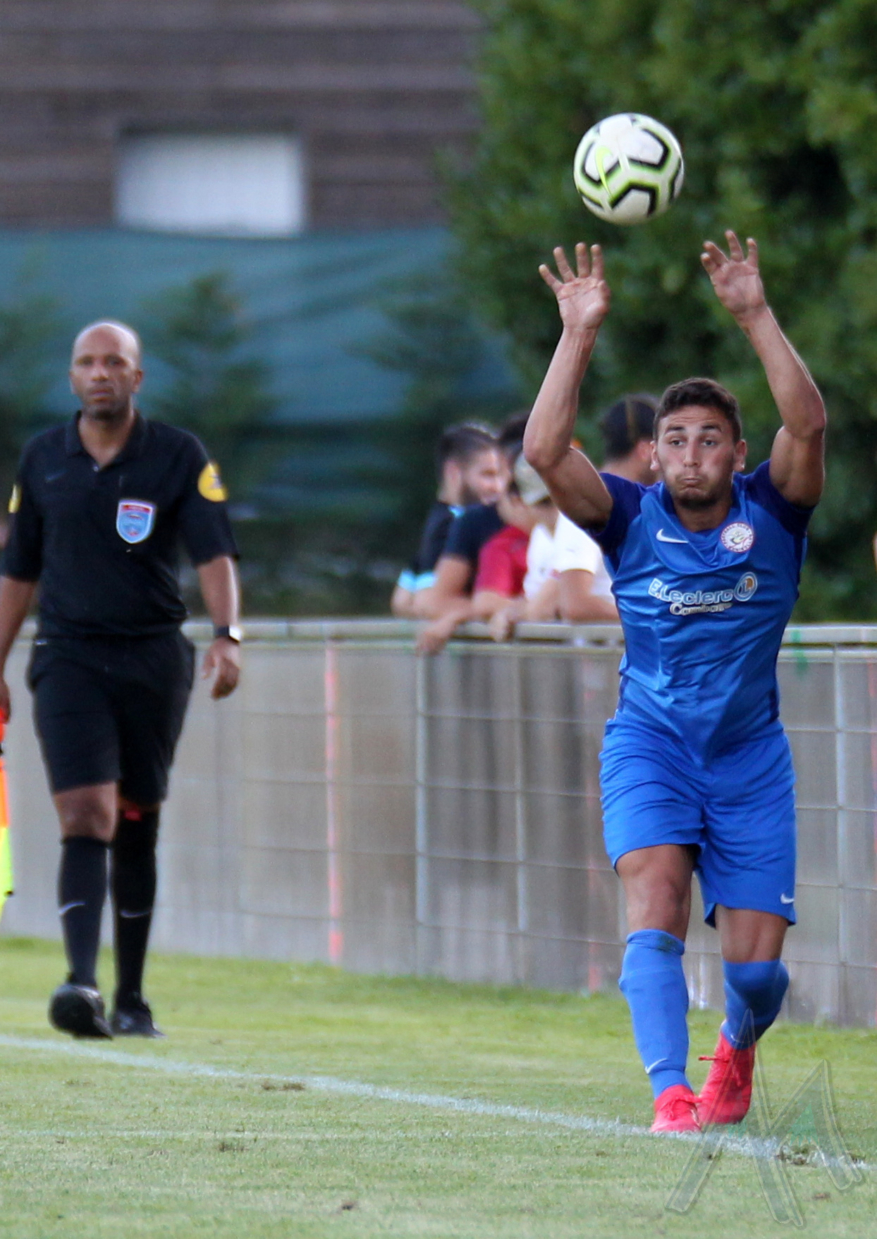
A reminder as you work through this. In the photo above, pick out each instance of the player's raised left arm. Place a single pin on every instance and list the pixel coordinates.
(797, 460)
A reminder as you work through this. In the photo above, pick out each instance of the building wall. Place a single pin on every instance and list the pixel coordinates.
(375, 88)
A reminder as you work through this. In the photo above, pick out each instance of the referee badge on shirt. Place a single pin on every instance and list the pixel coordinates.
(134, 520)
(210, 484)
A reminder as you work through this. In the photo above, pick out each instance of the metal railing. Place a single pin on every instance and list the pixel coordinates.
(357, 804)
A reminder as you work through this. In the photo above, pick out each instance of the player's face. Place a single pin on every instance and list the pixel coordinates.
(484, 478)
(696, 456)
(105, 373)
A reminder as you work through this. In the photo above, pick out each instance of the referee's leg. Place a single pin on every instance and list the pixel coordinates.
(151, 706)
(87, 816)
(133, 882)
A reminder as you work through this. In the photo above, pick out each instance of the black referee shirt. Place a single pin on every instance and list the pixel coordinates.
(103, 542)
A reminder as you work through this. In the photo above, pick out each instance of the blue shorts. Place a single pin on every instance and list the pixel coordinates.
(738, 811)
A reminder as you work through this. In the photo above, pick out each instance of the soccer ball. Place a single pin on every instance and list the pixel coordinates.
(628, 168)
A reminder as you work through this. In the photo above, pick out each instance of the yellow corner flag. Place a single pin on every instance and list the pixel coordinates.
(5, 853)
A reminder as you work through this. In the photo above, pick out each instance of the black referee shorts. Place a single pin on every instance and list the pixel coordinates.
(111, 709)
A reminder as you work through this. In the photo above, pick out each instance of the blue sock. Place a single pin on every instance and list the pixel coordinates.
(753, 996)
(653, 983)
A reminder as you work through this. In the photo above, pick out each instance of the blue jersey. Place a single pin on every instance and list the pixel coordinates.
(703, 613)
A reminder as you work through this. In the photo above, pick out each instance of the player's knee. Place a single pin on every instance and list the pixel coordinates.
(88, 821)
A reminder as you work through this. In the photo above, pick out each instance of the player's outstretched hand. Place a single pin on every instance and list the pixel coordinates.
(735, 275)
(223, 662)
(583, 295)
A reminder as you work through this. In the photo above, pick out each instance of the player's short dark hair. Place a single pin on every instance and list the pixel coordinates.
(705, 392)
(463, 441)
(510, 436)
(626, 423)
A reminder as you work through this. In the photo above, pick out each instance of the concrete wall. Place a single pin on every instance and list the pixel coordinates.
(355, 804)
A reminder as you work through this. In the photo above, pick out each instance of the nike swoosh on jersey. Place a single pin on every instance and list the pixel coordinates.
(662, 537)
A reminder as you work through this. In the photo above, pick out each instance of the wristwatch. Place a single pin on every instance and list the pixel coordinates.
(233, 632)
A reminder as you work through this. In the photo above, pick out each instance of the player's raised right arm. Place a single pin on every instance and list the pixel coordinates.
(583, 300)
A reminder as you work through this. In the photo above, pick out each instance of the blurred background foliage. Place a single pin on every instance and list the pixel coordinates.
(775, 107)
(28, 320)
(325, 513)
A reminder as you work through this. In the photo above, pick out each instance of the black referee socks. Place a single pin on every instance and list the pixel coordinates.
(133, 886)
(82, 889)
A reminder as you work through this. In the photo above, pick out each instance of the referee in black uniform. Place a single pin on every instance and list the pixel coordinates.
(97, 513)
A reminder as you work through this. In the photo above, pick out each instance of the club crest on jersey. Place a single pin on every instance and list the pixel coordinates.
(738, 537)
(134, 520)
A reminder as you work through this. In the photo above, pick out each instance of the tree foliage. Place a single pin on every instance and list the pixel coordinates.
(218, 387)
(775, 107)
(30, 325)
(434, 341)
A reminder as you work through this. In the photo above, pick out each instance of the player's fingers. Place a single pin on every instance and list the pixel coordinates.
(596, 262)
(562, 265)
(550, 278)
(583, 266)
(752, 251)
(735, 249)
(712, 251)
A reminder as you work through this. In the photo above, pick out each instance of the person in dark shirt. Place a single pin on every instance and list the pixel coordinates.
(97, 512)
(501, 559)
(457, 565)
(471, 471)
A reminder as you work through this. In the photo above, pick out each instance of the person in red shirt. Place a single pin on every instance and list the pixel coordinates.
(502, 566)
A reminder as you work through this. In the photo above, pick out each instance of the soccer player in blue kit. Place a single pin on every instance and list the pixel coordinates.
(696, 769)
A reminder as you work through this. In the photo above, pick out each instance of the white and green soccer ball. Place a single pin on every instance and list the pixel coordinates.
(628, 168)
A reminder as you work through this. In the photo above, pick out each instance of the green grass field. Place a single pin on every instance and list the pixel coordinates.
(303, 1101)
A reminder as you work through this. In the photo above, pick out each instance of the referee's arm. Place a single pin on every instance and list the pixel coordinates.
(219, 589)
(15, 599)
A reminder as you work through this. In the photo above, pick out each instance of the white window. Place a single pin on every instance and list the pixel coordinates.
(226, 184)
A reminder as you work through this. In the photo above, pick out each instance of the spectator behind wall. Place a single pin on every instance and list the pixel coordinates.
(458, 563)
(584, 587)
(556, 545)
(503, 568)
(470, 471)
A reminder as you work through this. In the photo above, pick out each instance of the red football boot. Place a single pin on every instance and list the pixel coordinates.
(676, 1110)
(726, 1095)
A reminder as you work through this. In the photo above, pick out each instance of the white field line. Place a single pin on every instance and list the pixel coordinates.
(743, 1145)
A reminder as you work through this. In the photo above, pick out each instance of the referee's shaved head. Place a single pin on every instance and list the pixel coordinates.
(105, 372)
(128, 341)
